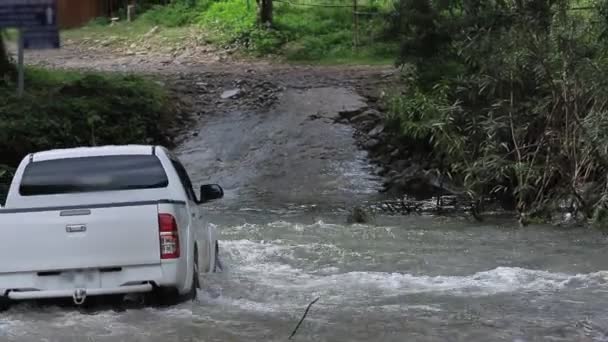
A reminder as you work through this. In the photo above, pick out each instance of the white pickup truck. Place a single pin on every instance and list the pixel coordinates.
(107, 220)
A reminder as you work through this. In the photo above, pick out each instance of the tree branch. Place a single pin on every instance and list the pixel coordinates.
(303, 317)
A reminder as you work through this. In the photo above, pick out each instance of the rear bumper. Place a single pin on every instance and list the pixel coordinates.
(126, 279)
(27, 295)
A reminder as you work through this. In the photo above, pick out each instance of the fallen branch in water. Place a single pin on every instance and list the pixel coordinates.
(303, 318)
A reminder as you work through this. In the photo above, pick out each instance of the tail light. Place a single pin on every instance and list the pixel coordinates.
(169, 236)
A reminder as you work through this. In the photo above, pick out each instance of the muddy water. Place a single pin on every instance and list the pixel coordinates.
(289, 179)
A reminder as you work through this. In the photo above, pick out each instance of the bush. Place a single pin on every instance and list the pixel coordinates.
(176, 14)
(229, 20)
(68, 109)
(521, 113)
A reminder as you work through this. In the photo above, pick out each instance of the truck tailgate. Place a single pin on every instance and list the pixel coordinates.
(83, 238)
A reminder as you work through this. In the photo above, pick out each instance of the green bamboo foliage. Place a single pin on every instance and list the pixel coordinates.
(521, 114)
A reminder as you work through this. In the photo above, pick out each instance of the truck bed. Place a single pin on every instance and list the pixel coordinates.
(74, 237)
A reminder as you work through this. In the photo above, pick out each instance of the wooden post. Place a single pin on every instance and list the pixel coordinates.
(130, 13)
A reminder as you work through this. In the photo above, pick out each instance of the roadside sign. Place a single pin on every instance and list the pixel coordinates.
(41, 38)
(36, 21)
(28, 13)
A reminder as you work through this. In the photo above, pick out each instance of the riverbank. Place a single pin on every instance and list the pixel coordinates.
(63, 108)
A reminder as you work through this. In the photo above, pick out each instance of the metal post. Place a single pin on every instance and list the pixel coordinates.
(21, 77)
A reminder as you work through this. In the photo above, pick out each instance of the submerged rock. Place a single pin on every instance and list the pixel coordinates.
(359, 215)
(228, 94)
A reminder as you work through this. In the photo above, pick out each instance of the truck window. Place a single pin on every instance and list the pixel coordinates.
(185, 179)
(92, 174)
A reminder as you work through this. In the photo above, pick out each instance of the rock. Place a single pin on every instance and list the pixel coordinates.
(401, 165)
(228, 94)
(359, 215)
(380, 170)
(350, 113)
(395, 153)
(129, 53)
(375, 132)
(392, 174)
(133, 46)
(371, 143)
(367, 116)
(153, 31)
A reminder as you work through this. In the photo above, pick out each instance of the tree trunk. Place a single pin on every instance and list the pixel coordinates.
(265, 14)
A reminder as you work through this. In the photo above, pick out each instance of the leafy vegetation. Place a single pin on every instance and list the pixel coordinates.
(303, 33)
(68, 109)
(510, 95)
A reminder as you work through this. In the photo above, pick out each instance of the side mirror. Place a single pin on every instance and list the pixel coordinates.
(210, 192)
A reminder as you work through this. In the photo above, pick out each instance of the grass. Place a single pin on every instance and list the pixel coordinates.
(300, 34)
(67, 109)
(304, 34)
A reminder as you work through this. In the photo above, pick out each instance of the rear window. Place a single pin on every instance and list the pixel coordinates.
(92, 174)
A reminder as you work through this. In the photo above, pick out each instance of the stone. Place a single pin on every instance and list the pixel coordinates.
(380, 170)
(153, 31)
(401, 164)
(375, 132)
(368, 116)
(350, 113)
(232, 93)
(359, 215)
(371, 143)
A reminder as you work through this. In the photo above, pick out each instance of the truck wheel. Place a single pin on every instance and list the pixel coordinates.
(5, 303)
(195, 277)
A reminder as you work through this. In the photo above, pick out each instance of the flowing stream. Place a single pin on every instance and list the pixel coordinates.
(290, 180)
